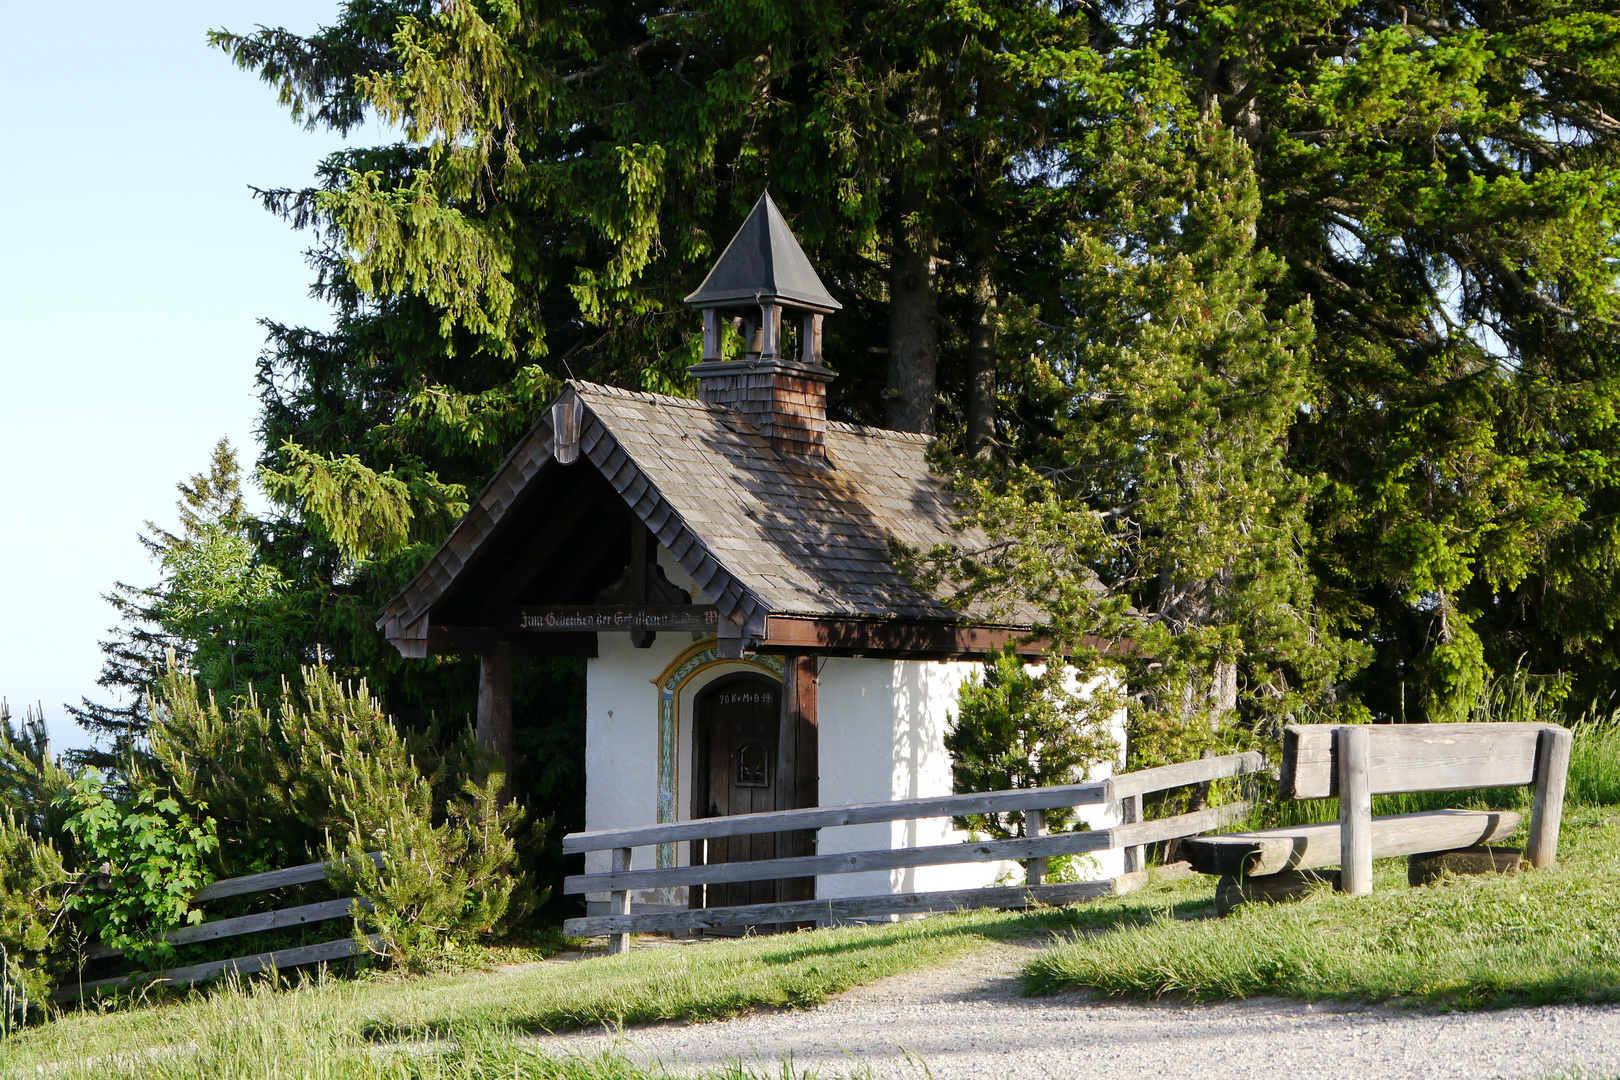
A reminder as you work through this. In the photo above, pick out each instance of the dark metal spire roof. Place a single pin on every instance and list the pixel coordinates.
(764, 262)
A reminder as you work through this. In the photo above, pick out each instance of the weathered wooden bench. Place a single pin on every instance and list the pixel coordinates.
(1356, 762)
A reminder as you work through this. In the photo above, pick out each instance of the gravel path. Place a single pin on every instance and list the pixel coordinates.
(968, 1020)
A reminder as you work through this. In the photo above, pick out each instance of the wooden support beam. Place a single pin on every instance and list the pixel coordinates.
(1552, 775)
(1130, 812)
(810, 338)
(854, 862)
(1355, 810)
(770, 325)
(302, 915)
(248, 884)
(1035, 826)
(798, 768)
(1096, 793)
(1413, 757)
(854, 907)
(711, 335)
(1183, 773)
(494, 730)
(643, 553)
(279, 960)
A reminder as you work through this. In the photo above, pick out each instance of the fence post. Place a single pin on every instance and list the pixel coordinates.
(13, 1000)
(1355, 811)
(1130, 812)
(1035, 825)
(619, 902)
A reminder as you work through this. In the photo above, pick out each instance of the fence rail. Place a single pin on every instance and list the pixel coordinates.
(1122, 792)
(280, 919)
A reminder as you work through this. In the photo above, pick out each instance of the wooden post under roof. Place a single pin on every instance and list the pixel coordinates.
(798, 769)
(494, 730)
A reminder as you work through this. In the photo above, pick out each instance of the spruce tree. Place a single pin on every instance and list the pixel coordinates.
(1157, 518)
(215, 605)
(1438, 179)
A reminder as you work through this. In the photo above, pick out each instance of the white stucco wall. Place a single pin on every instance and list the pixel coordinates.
(621, 739)
(882, 737)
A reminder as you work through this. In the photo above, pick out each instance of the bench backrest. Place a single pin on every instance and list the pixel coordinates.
(1415, 757)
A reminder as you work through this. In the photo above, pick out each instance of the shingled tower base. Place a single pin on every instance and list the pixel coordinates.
(785, 400)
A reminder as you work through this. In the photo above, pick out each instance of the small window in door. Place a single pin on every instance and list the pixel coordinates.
(753, 768)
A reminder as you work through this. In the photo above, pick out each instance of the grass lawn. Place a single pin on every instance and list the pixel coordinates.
(316, 1030)
(1479, 942)
(1538, 937)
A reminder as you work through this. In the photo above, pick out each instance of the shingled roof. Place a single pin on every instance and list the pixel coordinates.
(762, 533)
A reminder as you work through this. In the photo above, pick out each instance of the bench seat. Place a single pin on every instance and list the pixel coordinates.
(1308, 847)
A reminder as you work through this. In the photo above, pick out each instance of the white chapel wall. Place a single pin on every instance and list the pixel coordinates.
(883, 737)
(621, 739)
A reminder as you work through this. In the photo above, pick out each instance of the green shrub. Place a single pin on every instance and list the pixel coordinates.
(1017, 727)
(146, 855)
(328, 774)
(33, 888)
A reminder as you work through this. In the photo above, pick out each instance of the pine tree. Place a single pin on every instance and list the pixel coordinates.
(214, 605)
(1158, 513)
(1439, 181)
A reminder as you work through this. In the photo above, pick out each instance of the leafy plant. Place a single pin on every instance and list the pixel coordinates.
(149, 854)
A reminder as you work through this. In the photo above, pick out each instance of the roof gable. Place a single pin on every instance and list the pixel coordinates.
(762, 533)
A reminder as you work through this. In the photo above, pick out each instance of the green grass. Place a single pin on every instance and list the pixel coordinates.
(308, 1033)
(697, 982)
(1546, 936)
(1478, 942)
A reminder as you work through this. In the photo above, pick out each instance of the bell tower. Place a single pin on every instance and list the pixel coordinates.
(762, 278)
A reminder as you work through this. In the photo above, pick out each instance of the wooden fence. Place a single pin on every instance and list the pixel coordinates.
(1123, 792)
(280, 919)
(13, 997)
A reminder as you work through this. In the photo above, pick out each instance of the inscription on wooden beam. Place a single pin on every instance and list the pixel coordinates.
(619, 618)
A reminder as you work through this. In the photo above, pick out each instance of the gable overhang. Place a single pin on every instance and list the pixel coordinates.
(467, 598)
(408, 620)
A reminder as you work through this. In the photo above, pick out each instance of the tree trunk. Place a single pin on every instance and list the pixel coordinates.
(913, 336)
(981, 397)
(913, 285)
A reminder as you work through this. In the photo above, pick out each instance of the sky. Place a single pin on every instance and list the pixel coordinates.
(134, 267)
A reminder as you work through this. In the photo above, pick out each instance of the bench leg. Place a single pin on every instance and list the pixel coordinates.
(619, 903)
(1355, 811)
(1552, 773)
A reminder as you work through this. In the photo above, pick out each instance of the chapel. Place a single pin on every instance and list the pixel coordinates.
(724, 566)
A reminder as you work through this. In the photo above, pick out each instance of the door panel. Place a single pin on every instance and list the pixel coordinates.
(736, 722)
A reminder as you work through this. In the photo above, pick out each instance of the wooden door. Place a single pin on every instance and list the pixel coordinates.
(736, 721)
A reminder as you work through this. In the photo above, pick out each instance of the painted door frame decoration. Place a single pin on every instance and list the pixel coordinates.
(700, 657)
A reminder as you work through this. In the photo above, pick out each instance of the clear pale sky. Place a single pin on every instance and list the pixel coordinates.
(134, 267)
